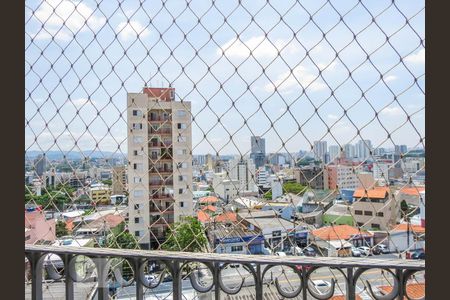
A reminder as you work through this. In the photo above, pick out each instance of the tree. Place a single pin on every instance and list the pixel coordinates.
(404, 208)
(188, 236)
(107, 182)
(288, 187)
(61, 229)
(120, 238)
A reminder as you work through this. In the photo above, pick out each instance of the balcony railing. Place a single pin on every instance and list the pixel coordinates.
(176, 262)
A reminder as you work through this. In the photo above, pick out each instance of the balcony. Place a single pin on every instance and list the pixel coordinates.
(161, 131)
(213, 282)
(161, 182)
(161, 170)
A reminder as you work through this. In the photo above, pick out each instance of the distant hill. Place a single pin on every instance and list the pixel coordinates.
(57, 155)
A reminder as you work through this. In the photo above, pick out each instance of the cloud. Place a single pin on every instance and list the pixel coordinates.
(332, 117)
(61, 18)
(416, 58)
(130, 30)
(82, 101)
(392, 111)
(259, 46)
(390, 78)
(300, 76)
(328, 66)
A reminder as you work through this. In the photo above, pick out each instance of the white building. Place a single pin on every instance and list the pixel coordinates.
(262, 177)
(320, 149)
(363, 148)
(160, 163)
(380, 171)
(334, 151)
(422, 209)
(224, 187)
(244, 171)
(349, 151)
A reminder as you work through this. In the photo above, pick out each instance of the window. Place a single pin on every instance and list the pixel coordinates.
(358, 212)
(181, 113)
(181, 204)
(181, 126)
(236, 248)
(136, 206)
(380, 214)
(135, 152)
(375, 226)
(136, 220)
(137, 166)
(138, 193)
(359, 224)
(182, 177)
(137, 113)
(167, 204)
(137, 126)
(172, 95)
(138, 139)
(181, 139)
(181, 151)
(137, 233)
(180, 191)
(181, 165)
(368, 213)
(137, 179)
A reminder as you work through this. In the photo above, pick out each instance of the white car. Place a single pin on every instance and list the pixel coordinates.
(281, 254)
(321, 286)
(365, 251)
(356, 252)
(296, 251)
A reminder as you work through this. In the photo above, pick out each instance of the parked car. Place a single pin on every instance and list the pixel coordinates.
(321, 286)
(356, 252)
(280, 253)
(151, 278)
(309, 251)
(365, 251)
(418, 255)
(380, 248)
(296, 251)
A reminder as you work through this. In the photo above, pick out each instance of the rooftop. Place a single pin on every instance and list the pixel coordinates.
(338, 232)
(339, 209)
(379, 192)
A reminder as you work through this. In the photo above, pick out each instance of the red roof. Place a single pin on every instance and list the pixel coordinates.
(209, 199)
(414, 290)
(338, 232)
(228, 216)
(412, 227)
(379, 192)
(210, 208)
(412, 191)
(203, 217)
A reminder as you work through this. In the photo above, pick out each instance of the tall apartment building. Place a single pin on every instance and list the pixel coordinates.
(320, 149)
(160, 163)
(349, 151)
(244, 171)
(363, 148)
(39, 165)
(119, 180)
(312, 176)
(334, 152)
(258, 150)
(343, 176)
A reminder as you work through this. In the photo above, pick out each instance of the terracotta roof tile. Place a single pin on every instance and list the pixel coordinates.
(414, 290)
(203, 217)
(412, 227)
(339, 232)
(226, 217)
(210, 208)
(412, 191)
(378, 192)
(208, 199)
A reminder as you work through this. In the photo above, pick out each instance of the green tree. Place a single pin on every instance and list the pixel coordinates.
(107, 182)
(404, 209)
(120, 238)
(61, 229)
(188, 236)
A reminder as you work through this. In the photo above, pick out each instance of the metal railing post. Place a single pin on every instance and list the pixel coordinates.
(216, 281)
(401, 292)
(350, 287)
(101, 264)
(137, 263)
(258, 283)
(68, 279)
(176, 283)
(36, 265)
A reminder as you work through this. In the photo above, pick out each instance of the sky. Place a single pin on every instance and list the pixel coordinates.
(82, 58)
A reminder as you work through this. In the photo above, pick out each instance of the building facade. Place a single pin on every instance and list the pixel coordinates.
(119, 180)
(320, 149)
(160, 163)
(258, 150)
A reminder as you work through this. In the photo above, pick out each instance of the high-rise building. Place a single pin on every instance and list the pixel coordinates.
(119, 180)
(401, 149)
(160, 163)
(363, 148)
(244, 171)
(258, 150)
(39, 165)
(349, 151)
(334, 151)
(320, 149)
